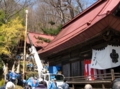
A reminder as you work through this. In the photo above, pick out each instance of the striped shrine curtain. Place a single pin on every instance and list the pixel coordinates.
(75, 68)
(66, 70)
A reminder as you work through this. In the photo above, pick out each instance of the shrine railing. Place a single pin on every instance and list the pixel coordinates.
(99, 77)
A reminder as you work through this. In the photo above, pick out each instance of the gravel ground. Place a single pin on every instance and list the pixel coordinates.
(18, 87)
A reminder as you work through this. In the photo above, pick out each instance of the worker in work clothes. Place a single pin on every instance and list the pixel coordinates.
(53, 84)
(65, 85)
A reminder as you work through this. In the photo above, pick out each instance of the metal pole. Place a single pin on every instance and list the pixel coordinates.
(25, 43)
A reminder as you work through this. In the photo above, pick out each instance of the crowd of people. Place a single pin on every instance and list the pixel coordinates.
(33, 82)
(8, 85)
(53, 85)
(13, 78)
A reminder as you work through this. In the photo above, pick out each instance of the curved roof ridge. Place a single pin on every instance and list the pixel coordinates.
(84, 12)
(82, 24)
(76, 28)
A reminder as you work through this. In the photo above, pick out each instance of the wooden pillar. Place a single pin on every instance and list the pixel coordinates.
(73, 86)
(112, 74)
(103, 86)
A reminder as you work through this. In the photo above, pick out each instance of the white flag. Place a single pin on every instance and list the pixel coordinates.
(106, 58)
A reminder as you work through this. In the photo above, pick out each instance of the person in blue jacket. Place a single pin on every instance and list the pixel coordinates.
(13, 77)
(19, 78)
(65, 85)
(53, 85)
(33, 82)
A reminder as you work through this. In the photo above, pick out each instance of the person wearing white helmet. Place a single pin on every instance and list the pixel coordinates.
(88, 86)
(10, 85)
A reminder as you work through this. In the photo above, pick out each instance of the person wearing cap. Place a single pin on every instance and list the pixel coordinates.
(53, 84)
(88, 86)
(65, 85)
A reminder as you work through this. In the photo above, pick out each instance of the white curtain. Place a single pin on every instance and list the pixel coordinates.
(106, 58)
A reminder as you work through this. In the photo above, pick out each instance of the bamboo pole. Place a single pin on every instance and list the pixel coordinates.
(73, 86)
(13, 68)
(112, 74)
(18, 67)
(25, 43)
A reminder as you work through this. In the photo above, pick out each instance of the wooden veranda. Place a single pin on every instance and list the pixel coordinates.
(78, 82)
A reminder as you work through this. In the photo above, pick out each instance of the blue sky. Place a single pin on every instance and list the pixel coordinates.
(89, 2)
(86, 2)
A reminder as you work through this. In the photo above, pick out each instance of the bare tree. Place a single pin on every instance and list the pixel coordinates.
(13, 7)
(51, 13)
(40, 17)
(66, 9)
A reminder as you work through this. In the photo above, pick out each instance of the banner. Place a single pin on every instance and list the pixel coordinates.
(106, 58)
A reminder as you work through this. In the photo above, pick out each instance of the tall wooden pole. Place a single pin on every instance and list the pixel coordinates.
(25, 43)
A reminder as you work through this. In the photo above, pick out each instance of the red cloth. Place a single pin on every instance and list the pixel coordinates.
(90, 73)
